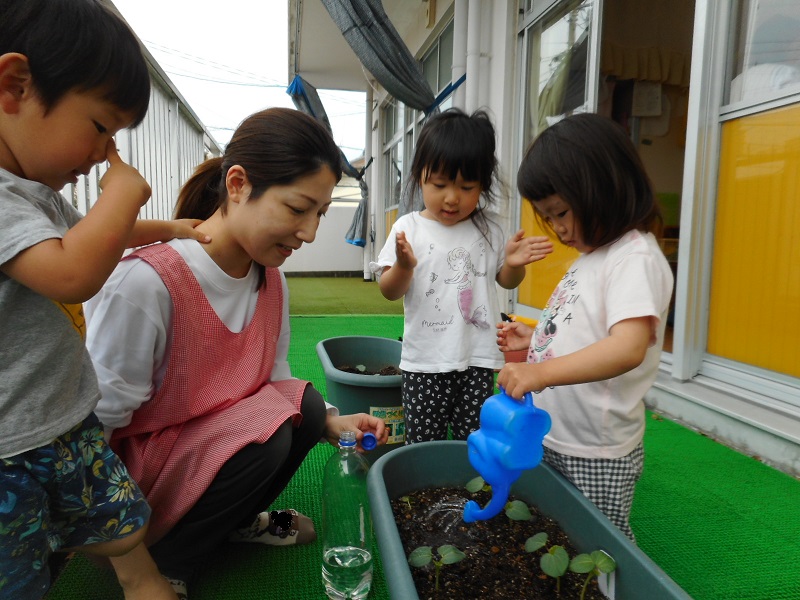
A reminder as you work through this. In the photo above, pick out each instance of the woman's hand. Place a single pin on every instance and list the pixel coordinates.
(512, 335)
(361, 423)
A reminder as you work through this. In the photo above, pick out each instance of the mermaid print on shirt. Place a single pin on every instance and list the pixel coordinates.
(459, 260)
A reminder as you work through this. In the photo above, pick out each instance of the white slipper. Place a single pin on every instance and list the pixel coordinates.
(277, 528)
(179, 588)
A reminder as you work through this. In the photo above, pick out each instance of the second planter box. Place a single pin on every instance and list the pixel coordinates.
(378, 395)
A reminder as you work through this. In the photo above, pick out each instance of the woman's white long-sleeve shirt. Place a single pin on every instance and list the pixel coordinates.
(129, 325)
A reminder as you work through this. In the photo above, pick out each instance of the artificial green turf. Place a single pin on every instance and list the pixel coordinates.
(338, 296)
(723, 525)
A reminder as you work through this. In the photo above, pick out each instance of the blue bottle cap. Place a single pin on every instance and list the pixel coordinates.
(368, 442)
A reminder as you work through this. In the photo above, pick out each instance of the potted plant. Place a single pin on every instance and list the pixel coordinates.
(446, 463)
(363, 386)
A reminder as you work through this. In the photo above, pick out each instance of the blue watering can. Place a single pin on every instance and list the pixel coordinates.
(509, 440)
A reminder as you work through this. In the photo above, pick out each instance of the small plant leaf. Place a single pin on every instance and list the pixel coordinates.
(603, 562)
(517, 510)
(555, 561)
(583, 563)
(420, 556)
(475, 485)
(533, 543)
(451, 554)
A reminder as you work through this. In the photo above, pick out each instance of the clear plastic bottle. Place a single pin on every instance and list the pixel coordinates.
(346, 524)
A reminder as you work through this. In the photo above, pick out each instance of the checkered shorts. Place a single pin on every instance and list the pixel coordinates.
(608, 482)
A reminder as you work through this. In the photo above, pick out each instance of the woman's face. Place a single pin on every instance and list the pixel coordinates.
(272, 226)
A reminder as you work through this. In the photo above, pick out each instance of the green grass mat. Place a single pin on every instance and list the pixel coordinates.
(722, 525)
(338, 296)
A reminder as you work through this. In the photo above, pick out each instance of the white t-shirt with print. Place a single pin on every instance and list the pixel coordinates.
(451, 307)
(626, 279)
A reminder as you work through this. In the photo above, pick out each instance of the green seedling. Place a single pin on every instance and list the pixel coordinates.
(517, 510)
(593, 565)
(478, 485)
(448, 555)
(556, 560)
(407, 500)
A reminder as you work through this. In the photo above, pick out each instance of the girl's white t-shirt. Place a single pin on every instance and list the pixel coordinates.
(626, 279)
(451, 308)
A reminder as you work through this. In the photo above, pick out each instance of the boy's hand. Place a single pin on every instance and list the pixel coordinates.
(123, 179)
(521, 250)
(187, 229)
(404, 252)
(512, 335)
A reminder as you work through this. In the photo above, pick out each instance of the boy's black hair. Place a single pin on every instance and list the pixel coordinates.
(77, 45)
(591, 163)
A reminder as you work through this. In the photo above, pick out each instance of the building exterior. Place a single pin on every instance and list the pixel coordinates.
(165, 148)
(710, 93)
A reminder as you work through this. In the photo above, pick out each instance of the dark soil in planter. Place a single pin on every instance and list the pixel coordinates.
(387, 370)
(496, 566)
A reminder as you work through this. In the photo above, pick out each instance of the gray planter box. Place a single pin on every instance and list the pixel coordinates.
(441, 464)
(373, 394)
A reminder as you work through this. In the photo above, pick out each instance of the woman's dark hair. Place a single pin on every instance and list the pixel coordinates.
(77, 45)
(454, 142)
(591, 163)
(275, 147)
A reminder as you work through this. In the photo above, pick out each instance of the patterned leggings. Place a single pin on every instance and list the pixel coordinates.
(608, 482)
(432, 401)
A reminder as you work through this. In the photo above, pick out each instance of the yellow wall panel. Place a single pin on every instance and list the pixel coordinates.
(754, 313)
(542, 276)
(390, 216)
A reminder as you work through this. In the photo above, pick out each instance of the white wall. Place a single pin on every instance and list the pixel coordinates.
(329, 252)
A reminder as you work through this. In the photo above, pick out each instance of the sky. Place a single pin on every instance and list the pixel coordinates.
(229, 59)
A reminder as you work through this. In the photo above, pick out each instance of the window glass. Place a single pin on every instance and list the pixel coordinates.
(389, 122)
(766, 53)
(556, 80)
(445, 58)
(430, 69)
(394, 175)
(437, 64)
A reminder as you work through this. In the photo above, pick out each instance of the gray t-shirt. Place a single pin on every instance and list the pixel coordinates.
(47, 382)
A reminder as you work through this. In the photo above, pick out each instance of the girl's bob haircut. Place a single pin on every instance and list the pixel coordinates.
(590, 162)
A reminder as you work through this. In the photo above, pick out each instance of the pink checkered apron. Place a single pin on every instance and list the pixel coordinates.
(216, 397)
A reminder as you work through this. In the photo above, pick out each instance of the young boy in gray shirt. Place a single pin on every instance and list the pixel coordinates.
(71, 75)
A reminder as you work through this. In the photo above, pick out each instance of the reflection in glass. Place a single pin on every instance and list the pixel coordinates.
(557, 55)
(766, 53)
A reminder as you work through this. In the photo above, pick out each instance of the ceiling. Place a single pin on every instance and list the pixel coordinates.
(319, 52)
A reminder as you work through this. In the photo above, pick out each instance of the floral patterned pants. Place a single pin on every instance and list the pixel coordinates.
(432, 401)
(72, 492)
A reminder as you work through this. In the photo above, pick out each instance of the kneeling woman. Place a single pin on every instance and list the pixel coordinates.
(190, 345)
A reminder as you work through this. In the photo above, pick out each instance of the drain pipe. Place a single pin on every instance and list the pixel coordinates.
(460, 52)
(473, 56)
(369, 246)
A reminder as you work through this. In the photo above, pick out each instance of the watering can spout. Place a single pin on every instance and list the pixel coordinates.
(474, 512)
(508, 441)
